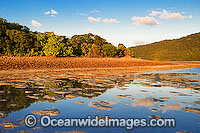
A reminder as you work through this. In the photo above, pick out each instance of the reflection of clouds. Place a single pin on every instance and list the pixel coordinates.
(171, 107)
(100, 105)
(148, 102)
(143, 102)
(111, 102)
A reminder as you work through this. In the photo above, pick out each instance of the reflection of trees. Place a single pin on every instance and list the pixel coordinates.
(82, 89)
(13, 100)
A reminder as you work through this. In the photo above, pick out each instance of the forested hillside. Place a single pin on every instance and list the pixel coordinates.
(18, 40)
(183, 49)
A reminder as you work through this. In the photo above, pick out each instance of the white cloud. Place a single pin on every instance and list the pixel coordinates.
(95, 11)
(167, 15)
(53, 11)
(111, 20)
(154, 13)
(145, 21)
(92, 19)
(138, 42)
(35, 23)
(190, 16)
(46, 13)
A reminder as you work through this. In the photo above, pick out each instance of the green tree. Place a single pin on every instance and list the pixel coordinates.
(120, 50)
(51, 43)
(109, 50)
(130, 52)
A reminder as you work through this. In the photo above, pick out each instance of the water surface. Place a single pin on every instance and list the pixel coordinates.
(162, 93)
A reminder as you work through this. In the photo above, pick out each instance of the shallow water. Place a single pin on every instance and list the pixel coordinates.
(162, 93)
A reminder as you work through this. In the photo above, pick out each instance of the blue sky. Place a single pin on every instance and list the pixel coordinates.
(131, 22)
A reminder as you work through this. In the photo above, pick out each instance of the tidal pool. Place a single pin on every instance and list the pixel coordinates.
(164, 94)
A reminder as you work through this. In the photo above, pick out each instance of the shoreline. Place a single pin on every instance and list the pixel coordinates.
(15, 74)
(78, 68)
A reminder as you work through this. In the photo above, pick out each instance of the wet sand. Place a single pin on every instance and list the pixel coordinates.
(18, 68)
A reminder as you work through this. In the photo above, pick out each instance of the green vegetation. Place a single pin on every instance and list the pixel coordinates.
(183, 49)
(18, 40)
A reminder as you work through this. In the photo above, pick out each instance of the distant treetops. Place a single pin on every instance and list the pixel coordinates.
(18, 40)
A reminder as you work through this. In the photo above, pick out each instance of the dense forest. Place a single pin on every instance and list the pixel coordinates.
(18, 40)
(183, 49)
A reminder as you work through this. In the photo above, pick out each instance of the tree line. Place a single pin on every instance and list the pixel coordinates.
(18, 40)
(183, 49)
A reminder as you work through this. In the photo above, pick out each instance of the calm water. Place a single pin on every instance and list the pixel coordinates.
(161, 93)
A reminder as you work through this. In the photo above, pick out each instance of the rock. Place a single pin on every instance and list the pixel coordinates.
(159, 100)
(8, 125)
(2, 114)
(99, 93)
(153, 109)
(19, 86)
(193, 110)
(79, 102)
(54, 89)
(13, 105)
(64, 92)
(51, 112)
(183, 132)
(197, 102)
(42, 87)
(51, 97)
(123, 95)
(164, 98)
(71, 96)
(173, 92)
(28, 91)
(143, 91)
(100, 102)
(3, 100)
(155, 117)
(75, 89)
(32, 97)
(5, 83)
(100, 105)
(184, 95)
(89, 95)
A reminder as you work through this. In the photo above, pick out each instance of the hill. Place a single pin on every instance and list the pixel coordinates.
(183, 49)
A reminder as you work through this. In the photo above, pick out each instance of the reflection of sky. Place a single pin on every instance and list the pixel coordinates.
(189, 70)
(138, 105)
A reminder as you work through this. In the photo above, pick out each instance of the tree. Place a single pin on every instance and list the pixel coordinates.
(51, 43)
(95, 50)
(120, 50)
(109, 50)
(130, 52)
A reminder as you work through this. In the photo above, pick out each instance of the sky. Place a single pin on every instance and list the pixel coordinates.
(131, 22)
